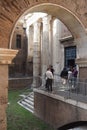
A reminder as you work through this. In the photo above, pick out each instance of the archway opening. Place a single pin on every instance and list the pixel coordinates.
(77, 32)
(70, 20)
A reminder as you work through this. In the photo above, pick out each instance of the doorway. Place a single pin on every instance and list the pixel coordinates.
(71, 62)
(70, 56)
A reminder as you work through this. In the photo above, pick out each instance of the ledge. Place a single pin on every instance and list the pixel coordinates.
(61, 98)
(7, 55)
(82, 62)
(66, 38)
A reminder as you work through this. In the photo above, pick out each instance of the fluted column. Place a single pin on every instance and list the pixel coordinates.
(36, 54)
(30, 43)
(45, 44)
(50, 40)
(57, 52)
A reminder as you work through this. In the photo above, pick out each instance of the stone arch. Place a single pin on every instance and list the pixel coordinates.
(70, 19)
(10, 12)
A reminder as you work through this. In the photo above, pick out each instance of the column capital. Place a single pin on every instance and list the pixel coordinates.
(37, 24)
(7, 55)
(46, 19)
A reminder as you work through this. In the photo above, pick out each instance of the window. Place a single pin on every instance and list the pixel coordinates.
(18, 41)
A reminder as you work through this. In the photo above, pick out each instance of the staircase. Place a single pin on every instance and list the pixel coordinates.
(27, 102)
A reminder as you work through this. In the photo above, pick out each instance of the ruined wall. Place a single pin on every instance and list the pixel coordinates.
(57, 112)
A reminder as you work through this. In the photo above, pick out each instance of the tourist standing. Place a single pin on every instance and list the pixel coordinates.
(49, 79)
(70, 76)
(74, 74)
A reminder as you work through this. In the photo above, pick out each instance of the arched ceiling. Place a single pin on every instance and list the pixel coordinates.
(12, 10)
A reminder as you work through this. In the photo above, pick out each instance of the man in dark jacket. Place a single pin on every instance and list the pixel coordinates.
(64, 75)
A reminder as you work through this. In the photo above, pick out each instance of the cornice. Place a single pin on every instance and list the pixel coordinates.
(7, 55)
(81, 62)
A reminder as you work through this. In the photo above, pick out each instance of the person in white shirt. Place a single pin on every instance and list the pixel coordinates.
(49, 78)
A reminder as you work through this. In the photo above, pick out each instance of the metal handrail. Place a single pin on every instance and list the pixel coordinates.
(73, 89)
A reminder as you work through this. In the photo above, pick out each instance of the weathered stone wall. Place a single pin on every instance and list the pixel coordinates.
(56, 112)
(83, 73)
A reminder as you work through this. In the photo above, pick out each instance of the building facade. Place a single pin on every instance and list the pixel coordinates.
(44, 41)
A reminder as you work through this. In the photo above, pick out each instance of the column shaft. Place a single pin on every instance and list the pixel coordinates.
(36, 54)
(45, 44)
(30, 43)
(56, 46)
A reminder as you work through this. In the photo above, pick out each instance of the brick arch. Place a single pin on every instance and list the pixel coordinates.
(71, 12)
(68, 17)
(12, 10)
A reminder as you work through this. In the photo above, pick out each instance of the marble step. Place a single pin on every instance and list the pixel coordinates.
(27, 108)
(28, 102)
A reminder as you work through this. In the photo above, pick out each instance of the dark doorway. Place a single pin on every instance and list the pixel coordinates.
(71, 62)
(70, 56)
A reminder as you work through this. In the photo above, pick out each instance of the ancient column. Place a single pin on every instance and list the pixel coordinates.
(45, 44)
(50, 40)
(6, 56)
(36, 54)
(30, 43)
(56, 47)
(30, 50)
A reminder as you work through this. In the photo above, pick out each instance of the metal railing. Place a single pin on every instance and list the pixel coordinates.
(75, 89)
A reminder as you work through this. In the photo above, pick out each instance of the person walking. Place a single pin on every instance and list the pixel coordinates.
(49, 79)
